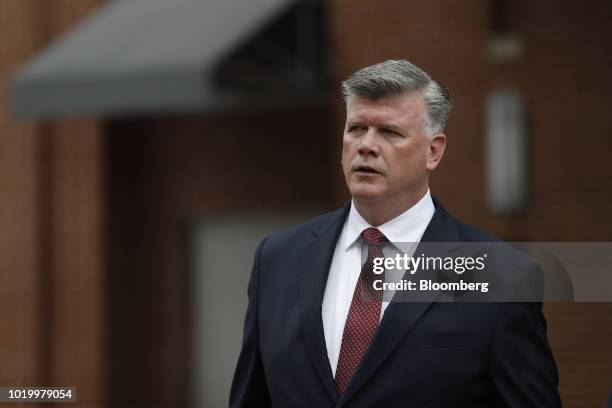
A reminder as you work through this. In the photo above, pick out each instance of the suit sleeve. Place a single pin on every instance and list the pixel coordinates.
(249, 387)
(523, 369)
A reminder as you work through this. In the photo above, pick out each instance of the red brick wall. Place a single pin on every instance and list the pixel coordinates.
(52, 306)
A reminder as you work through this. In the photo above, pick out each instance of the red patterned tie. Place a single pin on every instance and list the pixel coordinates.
(364, 314)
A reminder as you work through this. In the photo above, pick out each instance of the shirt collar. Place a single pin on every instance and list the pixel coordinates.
(409, 226)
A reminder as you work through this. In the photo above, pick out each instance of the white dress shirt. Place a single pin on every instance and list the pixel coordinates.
(348, 257)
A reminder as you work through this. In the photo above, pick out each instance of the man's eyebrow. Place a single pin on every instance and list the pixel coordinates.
(354, 122)
(391, 126)
(382, 125)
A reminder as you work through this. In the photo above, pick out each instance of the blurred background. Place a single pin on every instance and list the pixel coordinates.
(147, 146)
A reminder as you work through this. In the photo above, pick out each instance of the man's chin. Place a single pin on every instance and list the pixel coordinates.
(366, 195)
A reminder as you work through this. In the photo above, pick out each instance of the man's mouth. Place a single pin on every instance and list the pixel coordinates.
(365, 170)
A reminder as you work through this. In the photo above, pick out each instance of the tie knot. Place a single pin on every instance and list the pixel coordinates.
(372, 236)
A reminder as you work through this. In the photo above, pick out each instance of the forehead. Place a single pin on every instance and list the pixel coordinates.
(404, 109)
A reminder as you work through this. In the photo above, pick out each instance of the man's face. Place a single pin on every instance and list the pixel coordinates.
(386, 154)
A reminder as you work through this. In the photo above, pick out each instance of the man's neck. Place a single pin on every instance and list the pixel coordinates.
(379, 212)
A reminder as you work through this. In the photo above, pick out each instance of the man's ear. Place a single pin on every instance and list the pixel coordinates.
(435, 150)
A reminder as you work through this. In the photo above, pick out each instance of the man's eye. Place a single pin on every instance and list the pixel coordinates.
(390, 132)
(355, 128)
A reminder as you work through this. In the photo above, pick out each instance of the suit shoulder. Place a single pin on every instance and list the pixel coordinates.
(469, 233)
(512, 268)
(304, 231)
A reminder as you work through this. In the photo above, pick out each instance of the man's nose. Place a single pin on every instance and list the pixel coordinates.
(369, 144)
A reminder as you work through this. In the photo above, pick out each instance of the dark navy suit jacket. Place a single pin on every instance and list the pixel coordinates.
(425, 354)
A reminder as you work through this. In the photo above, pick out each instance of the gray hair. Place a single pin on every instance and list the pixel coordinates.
(395, 77)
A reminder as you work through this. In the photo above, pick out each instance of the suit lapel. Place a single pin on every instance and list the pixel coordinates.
(400, 317)
(315, 260)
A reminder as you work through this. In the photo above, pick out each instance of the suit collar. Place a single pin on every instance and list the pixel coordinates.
(442, 227)
(315, 260)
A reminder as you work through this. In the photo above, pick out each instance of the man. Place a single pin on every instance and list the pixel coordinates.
(311, 340)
